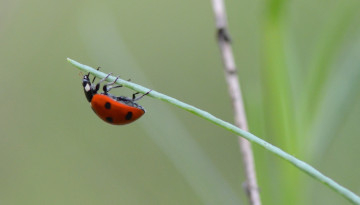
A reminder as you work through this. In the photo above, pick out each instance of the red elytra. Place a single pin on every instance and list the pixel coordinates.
(116, 110)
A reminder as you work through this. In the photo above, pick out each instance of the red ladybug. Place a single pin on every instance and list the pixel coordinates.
(112, 109)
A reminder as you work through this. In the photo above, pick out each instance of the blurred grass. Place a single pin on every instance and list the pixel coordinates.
(53, 149)
(279, 108)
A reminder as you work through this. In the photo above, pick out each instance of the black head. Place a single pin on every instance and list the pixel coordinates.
(89, 89)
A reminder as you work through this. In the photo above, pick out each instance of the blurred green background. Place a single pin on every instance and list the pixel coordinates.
(299, 65)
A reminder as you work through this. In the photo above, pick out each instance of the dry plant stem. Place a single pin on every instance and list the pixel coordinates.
(237, 101)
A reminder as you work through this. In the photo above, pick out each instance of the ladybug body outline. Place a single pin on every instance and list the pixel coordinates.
(116, 110)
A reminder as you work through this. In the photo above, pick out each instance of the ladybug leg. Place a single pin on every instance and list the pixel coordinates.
(106, 77)
(97, 86)
(106, 89)
(111, 87)
(112, 83)
(134, 98)
(98, 68)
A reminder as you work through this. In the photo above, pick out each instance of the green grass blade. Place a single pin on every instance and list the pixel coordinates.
(352, 197)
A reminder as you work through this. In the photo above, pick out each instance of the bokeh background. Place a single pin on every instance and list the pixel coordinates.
(299, 65)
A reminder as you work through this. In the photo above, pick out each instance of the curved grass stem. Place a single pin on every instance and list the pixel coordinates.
(303, 166)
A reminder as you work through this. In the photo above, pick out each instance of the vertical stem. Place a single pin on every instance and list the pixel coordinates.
(236, 98)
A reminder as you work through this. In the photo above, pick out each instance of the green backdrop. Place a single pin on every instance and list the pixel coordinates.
(299, 67)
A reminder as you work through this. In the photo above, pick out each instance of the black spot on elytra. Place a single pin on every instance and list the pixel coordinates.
(109, 119)
(107, 105)
(128, 116)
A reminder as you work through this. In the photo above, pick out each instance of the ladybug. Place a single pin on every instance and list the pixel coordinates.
(116, 110)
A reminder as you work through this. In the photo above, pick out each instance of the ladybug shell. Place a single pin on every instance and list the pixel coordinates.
(115, 112)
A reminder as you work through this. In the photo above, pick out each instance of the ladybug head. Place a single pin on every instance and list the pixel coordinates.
(89, 89)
